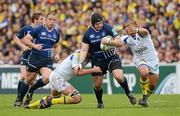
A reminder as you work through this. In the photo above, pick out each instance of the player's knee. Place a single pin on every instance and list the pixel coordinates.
(78, 99)
(45, 80)
(144, 74)
(98, 85)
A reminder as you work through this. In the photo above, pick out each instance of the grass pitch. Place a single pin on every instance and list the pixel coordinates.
(115, 105)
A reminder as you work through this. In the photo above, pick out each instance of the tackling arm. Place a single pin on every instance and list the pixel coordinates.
(82, 72)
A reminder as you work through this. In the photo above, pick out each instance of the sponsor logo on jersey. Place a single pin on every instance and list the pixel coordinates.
(140, 50)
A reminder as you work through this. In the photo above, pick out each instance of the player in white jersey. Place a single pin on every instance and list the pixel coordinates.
(58, 81)
(145, 56)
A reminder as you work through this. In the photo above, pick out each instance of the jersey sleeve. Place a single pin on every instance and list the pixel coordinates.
(124, 39)
(75, 59)
(86, 38)
(111, 31)
(21, 33)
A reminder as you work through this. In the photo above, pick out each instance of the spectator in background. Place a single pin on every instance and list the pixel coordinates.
(160, 17)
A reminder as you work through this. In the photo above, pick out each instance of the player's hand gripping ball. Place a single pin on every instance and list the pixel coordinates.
(106, 46)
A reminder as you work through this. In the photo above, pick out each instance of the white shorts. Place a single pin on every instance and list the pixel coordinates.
(57, 83)
(153, 66)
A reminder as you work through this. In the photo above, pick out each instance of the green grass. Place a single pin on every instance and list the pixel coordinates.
(115, 105)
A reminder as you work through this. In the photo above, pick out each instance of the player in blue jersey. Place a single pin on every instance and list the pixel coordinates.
(40, 60)
(106, 60)
(37, 19)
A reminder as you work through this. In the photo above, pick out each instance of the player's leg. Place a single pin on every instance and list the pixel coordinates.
(144, 72)
(144, 82)
(98, 81)
(71, 96)
(25, 85)
(153, 80)
(22, 78)
(45, 72)
(115, 67)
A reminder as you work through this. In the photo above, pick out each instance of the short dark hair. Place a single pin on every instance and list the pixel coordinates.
(35, 16)
(96, 17)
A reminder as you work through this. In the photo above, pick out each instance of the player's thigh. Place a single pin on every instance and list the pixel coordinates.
(118, 74)
(45, 72)
(68, 90)
(23, 72)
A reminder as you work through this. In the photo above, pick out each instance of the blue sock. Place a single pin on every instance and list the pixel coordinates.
(38, 84)
(23, 90)
(98, 94)
(125, 86)
(18, 88)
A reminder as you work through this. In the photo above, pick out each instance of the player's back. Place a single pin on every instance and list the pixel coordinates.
(65, 68)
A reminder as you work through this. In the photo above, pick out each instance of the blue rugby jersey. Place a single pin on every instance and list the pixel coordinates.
(93, 38)
(48, 38)
(21, 34)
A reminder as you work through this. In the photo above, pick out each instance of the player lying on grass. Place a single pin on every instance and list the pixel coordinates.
(145, 56)
(58, 81)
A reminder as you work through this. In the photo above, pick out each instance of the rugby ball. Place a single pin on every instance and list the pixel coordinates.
(105, 47)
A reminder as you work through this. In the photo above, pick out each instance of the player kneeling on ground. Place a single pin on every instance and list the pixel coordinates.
(58, 81)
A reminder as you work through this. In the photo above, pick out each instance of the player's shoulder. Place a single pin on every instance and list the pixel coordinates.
(107, 25)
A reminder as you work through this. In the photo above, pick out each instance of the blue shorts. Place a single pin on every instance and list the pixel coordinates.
(109, 64)
(24, 57)
(36, 62)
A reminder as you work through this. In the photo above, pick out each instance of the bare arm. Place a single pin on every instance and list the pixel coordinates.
(20, 44)
(57, 49)
(115, 42)
(27, 40)
(82, 72)
(83, 52)
(142, 31)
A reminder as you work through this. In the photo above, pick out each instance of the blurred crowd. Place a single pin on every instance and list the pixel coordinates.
(160, 17)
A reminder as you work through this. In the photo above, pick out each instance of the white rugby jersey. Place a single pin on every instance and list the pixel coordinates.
(65, 68)
(142, 47)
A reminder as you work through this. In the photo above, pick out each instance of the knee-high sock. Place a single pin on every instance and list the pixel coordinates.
(38, 84)
(54, 101)
(61, 100)
(144, 86)
(19, 87)
(125, 86)
(98, 94)
(23, 90)
(150, 90)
